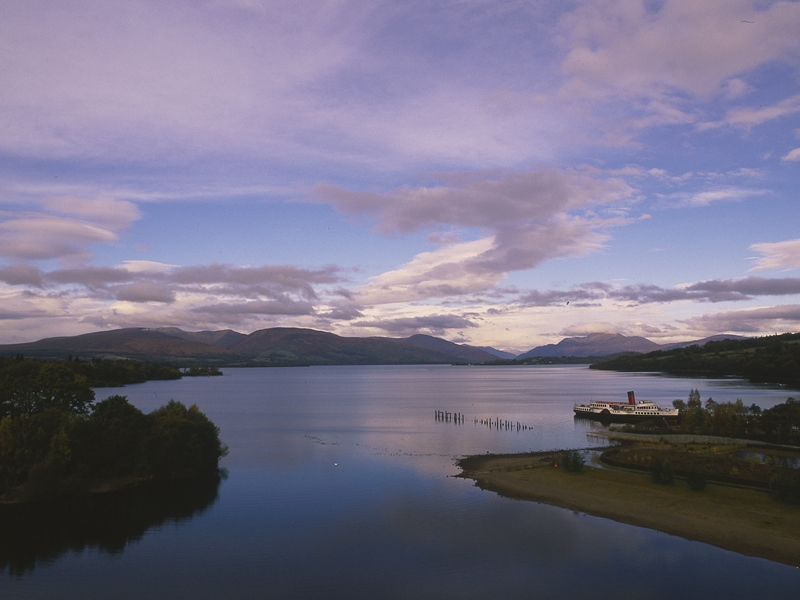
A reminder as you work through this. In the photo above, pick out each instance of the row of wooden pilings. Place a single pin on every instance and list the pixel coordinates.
(448, 416)
(503, 424)
(496, 423)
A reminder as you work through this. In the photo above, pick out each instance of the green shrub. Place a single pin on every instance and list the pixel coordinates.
(662, 471)
(696, 480)
(571, 460)
(785, 485)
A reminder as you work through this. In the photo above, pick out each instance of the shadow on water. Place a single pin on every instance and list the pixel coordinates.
(32, 534)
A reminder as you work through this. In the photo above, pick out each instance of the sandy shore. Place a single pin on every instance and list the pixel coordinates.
(746, 521)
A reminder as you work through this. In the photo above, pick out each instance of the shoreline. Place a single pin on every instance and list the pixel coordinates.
(746, 521)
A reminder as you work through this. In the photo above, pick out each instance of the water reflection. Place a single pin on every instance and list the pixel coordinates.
(33, 534)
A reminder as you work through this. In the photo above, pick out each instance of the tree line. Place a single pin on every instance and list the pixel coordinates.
(55, 440)
(765, 359)
(779, 424)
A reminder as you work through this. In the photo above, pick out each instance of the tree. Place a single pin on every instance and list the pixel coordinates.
(183, 441)
(29, 387)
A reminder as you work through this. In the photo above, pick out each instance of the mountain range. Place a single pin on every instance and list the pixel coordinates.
(294, 346)
(275, 346)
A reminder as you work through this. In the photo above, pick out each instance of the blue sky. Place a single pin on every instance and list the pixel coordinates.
(458, 168)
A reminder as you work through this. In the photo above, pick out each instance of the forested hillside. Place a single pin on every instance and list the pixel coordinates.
(773, 359)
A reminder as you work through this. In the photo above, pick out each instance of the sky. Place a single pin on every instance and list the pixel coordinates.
(500, 173)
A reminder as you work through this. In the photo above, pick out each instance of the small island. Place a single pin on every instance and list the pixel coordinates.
(55, 441)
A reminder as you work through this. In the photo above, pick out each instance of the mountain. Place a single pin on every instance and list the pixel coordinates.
(136, 343)
(461, 352)
(224, 338)
(704, 341)
(293, 345)
(596, 344)
(497, 353)
(275, 346)
(603, 344)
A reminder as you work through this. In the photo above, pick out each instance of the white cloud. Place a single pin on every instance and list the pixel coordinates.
(793, 155)
(747, 117)
(777, 255)
(683, 45)
(63, 228)
(770, 319)
(526, 218)
(443, 272)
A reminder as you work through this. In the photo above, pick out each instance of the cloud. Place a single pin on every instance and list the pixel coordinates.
(757, 320)
(777, 255)
(792, 156)
(584, 329)
(258, 307)
(710, 196)
(145, 291)
(748, 117)
(21, 275)
(146, 294)
(653, 49)
(433, 324)
(479, 199)
(63, 228)
(529, 217)
(713, 290)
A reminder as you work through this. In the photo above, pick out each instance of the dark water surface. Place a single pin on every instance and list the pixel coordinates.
(340, 486)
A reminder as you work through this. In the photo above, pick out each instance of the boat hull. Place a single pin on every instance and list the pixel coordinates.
(608, 416)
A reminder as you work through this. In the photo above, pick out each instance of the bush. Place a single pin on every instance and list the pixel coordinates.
(571, 460)
(696, 480)
(183, 441)
(785, 485)
(662, 472)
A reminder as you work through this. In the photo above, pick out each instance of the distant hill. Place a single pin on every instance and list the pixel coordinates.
(497, 353)
(275, 346)
(224, 338)
(704, 341)
(596, 344)
(460, 352)
(604, 344)
(136, 343)
(292, 345)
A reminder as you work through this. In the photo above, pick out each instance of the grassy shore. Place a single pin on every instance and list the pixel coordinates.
(742, 520)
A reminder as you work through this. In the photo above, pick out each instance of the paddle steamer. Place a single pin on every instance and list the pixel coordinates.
(626, 412)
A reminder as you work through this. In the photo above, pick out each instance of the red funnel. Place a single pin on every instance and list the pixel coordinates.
(631, 399)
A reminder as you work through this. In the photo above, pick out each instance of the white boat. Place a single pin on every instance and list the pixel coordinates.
(626, 412)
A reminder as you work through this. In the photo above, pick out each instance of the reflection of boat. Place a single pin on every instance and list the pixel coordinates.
(626, 412)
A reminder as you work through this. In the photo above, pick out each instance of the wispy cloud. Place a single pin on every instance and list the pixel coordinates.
(792, 156)
(63, 228)
(432, 324)
(757, 320)
(777, 255)
(530, 217)
(715, 290)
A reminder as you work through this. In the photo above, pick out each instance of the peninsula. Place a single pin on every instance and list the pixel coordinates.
(747, 521)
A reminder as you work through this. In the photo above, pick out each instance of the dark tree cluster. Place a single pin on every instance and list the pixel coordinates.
(766, 359)
(55, 440)
(117, 373)
(201, 371)
(779, 424)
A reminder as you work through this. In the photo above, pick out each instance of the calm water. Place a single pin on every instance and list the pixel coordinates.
(340, 486)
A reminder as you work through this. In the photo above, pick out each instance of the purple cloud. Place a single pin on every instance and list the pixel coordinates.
(434, 324)
(731, 290)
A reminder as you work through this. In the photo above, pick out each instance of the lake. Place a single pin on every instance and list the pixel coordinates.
(340, 485)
